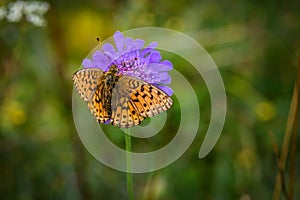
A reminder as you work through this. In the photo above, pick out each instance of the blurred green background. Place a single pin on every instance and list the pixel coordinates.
(254, 44)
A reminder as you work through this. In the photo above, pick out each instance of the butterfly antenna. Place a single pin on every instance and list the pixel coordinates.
(98, 39)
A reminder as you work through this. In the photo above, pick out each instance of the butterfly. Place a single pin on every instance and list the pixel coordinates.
(123, 101)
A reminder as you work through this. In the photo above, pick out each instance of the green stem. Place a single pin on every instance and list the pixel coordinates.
(128, 164)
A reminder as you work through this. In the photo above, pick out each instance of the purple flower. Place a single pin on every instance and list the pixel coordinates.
(133, 59)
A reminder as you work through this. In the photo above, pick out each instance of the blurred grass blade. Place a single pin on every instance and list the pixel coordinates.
(290, 132)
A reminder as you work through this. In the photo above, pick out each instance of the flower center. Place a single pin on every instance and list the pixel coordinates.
(128, 66)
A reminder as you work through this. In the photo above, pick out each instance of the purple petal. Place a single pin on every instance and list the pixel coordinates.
(100, 60)
(102, 66)
(109, 50)
(87, 63)
(167, 63)
(107, 121)
(159, 67)
(129, 44)
(132, 45)
(166, 89)
(164, 78)
(160, 78)
(146, 52)
(119, 41)
(139, 44)
(155, 57)
(152, 45)
(149, 48)
(99, 57)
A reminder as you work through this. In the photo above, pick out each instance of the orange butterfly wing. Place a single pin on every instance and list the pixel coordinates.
(133, 100)
(88, 83)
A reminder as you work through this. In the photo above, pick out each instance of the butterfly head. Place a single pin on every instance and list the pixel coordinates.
(113, 69)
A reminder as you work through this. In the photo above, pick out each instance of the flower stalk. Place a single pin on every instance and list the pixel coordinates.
(128, 164)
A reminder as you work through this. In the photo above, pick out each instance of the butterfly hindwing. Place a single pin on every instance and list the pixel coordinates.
(97, 108)
(150, 100)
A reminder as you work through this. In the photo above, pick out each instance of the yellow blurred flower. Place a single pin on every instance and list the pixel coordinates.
(265, 110)
(14, 113)
(82, 28)
(246, 158)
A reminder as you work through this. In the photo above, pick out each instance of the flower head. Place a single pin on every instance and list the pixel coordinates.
(133, 59)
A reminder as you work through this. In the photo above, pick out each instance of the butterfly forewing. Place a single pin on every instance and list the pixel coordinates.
(86, 82)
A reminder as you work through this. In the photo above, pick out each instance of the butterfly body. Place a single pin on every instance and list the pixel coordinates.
(123, 101)
(105, 87)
